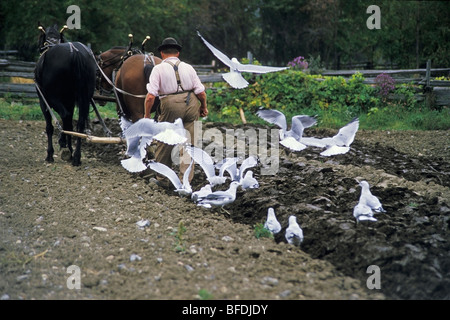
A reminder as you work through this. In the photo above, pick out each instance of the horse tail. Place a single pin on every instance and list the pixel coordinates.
(84, 70)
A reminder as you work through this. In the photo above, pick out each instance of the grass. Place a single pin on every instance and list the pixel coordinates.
(261, 232)
(29, 109)
(387, 118)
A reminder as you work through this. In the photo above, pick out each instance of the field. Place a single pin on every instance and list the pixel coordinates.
(53, 216)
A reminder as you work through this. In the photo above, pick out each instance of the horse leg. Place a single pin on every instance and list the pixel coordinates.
(49, 130)
(65, 141)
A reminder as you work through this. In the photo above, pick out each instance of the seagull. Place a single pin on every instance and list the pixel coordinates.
(220, 198)
(289, 138)
(238, 174)
(234, 78)
(141, 134)
(272, 223)
(369, 199)
(294, 234)
(363, 212)
(207, 164)
(248, 182)
(182, 188)
(200, 194)
(338, 144)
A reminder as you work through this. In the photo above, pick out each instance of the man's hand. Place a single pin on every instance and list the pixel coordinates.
(149, 100)
(203, 106)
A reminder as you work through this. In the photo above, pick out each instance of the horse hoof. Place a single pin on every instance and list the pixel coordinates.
(66, 155)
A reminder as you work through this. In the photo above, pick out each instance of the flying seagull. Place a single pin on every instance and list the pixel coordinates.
(220, 198)
(338, 144)
(292, 138)
(206, 162)
(234, 77)
(272, 223)
(294, 234)
(182, 188)
(369, 199)
(247, 180)
(141, 134)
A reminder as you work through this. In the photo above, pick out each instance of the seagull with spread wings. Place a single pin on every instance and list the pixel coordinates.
(207, 164)
(182, 188)
(289, 138)
(234, 78)
(338, 144)
(140, 134)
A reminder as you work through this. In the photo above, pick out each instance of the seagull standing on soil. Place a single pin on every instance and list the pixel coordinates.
(182, 188)
(369, 199)
(292, 138)
(220, 198)
(202, 193)
(294, 234)
(140, 134)
(363, 212)
(338, 144)
(207, 164)
(248, 182)
(272, 223)
(234, 77)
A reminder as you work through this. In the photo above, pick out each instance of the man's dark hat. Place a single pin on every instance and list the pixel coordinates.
(169, 43)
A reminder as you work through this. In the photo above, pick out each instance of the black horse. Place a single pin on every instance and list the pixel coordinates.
(65, 75)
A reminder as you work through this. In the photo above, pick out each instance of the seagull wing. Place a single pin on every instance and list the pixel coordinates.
(314, 142)
(229, 164)
(166, 171)
(142, 127)
(297, 128)
(307, 121)
(186, 183)
(253, 68)
(124, 124)
(221, 56)
(235, 79)
(346, 134)
(335, 150)
(203, 159)
(273, 116)
(137, 150)
(250, 162)
(293, 144)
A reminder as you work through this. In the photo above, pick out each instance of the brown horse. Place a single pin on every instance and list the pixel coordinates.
(132, 78)
(110, 61)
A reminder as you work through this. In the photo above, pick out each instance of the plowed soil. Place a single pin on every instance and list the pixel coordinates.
(54, 215)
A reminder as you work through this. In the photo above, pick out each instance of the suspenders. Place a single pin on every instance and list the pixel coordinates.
(177, 75)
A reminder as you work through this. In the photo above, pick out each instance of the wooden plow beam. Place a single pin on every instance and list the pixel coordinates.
(94, 139)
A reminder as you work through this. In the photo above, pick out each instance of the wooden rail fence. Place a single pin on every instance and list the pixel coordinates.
(436, 92)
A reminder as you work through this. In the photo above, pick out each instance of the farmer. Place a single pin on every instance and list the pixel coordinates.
(182, 95)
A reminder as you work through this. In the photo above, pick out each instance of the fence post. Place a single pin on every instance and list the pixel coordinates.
(428, 90)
